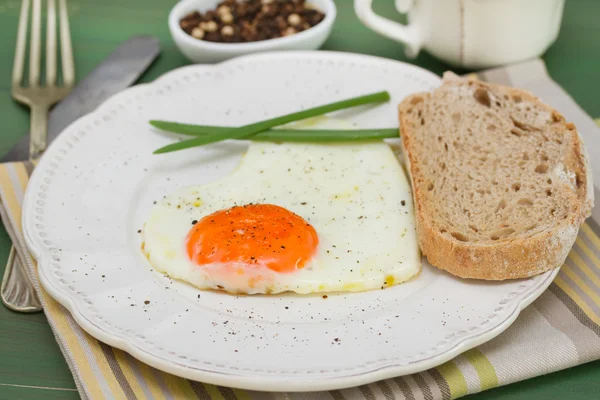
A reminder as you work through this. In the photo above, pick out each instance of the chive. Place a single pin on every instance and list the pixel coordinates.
(324, 135)
(189, 129)
(248, 130)
(283, 135)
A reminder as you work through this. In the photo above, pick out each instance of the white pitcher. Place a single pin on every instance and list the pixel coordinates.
(471, 33)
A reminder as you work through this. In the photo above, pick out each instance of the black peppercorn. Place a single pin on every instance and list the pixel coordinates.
(235, 21)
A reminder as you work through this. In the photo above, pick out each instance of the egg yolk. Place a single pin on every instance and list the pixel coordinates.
(255, 235)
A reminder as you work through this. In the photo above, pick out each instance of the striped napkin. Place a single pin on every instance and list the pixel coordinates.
(559, 330)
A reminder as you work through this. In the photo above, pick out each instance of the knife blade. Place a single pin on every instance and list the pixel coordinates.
(118, 71)
(532, 75)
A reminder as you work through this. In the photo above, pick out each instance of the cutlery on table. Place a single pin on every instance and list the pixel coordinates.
(17, 290)
(118, 71)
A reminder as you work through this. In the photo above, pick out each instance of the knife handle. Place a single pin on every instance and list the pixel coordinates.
(39, 131)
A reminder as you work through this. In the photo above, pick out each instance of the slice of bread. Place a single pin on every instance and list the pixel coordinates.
(500, 180)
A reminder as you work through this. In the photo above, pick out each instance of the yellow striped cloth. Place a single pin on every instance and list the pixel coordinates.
(559, 330)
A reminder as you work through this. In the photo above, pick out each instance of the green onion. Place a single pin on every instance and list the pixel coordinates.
(189, 129)
(324, 135)
(284, 135)
(251, 129)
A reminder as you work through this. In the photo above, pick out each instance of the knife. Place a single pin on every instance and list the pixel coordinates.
(118, 71)
(533, 76)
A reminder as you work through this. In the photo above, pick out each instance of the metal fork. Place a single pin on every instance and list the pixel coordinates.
(17, 291)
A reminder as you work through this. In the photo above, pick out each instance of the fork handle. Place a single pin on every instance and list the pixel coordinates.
(39, 131)
(17, 291)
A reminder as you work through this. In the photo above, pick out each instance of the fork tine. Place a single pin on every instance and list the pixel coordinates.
(51, 44)
(19, 64)
(35, 50)
(65, 45)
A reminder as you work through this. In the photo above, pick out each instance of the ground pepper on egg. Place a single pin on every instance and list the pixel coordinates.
(236, 21)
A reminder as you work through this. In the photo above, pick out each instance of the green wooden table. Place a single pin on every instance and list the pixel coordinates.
(31, 365)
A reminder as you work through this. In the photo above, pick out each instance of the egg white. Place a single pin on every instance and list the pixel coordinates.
(355, 195)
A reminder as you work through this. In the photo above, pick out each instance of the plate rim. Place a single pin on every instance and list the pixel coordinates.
(273, 382)
(299, 385)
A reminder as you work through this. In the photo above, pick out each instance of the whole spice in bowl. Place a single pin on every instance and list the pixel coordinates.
(235, 21)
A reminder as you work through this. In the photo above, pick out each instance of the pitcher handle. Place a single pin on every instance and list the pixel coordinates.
(406, 34)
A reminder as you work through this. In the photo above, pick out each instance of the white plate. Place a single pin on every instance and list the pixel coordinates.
(96, 184)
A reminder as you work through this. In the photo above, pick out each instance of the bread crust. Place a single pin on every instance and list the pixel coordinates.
(520, 257)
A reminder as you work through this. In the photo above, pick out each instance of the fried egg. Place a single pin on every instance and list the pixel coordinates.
(293, 217)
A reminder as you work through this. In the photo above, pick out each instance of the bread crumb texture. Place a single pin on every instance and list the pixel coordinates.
(500, 180)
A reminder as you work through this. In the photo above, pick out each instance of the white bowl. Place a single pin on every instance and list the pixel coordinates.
(200, 51)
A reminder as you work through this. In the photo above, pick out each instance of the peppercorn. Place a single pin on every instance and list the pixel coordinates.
(210, 26)
(294, 19)
(227, 18)
(234, 21)
(198, 33)
(227, 30)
